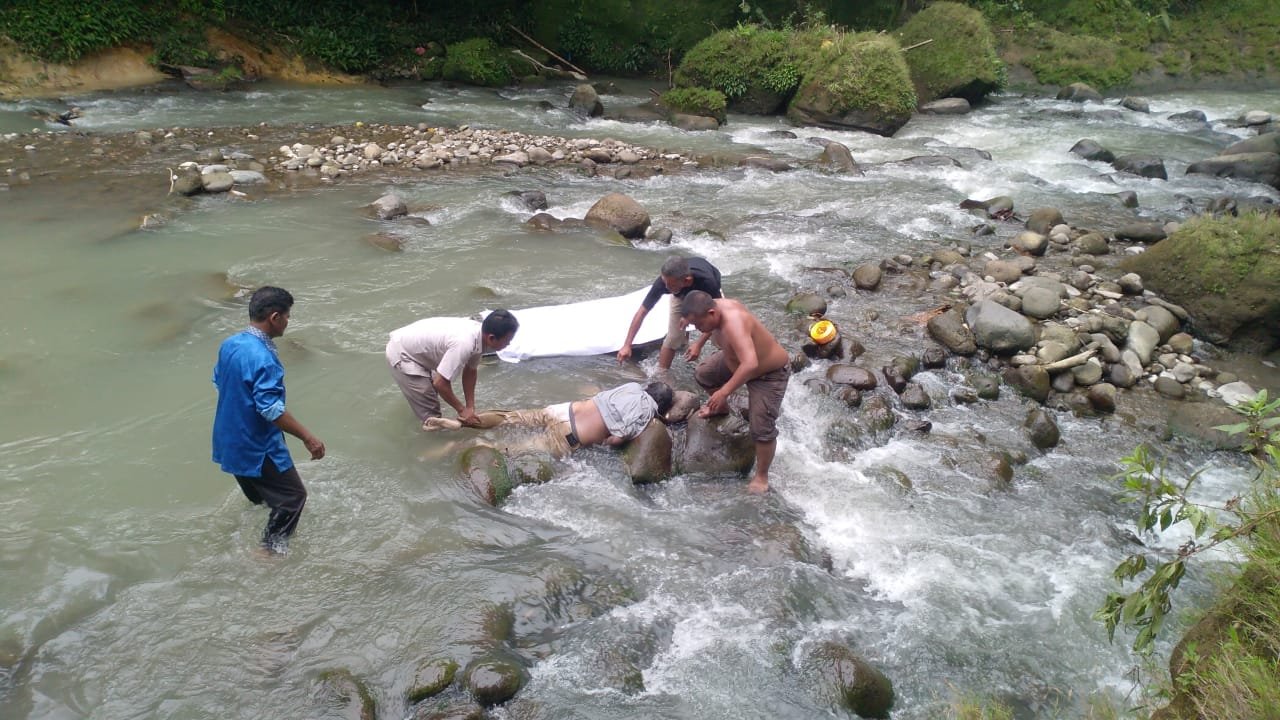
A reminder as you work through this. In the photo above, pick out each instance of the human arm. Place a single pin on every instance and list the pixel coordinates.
(624, 353)
(695, 348)
(737, 336)
(444, 388)
(288, 423)
(469, 376)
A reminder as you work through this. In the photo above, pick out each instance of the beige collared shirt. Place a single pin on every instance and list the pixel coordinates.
(444, 345)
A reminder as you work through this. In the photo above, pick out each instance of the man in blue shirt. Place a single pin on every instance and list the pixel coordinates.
(251, 419)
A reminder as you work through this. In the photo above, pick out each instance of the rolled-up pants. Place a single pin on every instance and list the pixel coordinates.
(283, 492)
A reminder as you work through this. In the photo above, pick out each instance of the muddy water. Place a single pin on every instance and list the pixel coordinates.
(130, 585)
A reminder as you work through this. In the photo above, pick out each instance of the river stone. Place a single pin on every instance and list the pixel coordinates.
(1102, 397)
(1061, 334)
(819, 386)
(1079, 92)
(1267, 142)
(807, 303)
(1087, 374)
(248, 177)
(1255, 117)
(485, 471)
(531, 199)
(1261, 167)
(345, 695)
(837, 157)
(987, 386)
(1147, 166)
(772, 164)
(1031, 243)
(1169, 387)
(388, 207)
(1195, 116)
(857, 377)
(1000, 329)
(621, 213)
(1236, 393)
(946, 106)
(1093, 244)
(217, 182)
(188, 182)
(950, 329)
(1122, 376)
(647, 456)
(1130, 283)
(717, 445)
(904, 366)
(1144, 232)
(963, 395)
(518, 158)
(1092, 150)
(1042, 220)
(449, 708)
(1030, 380)
(867, 276)
(1062, 383)
(877, 415)
(893, 379)
(494, 679)
(1051, 351)
(1136, 104)
(1040, 303)
(915, 398)
(1002, 271)
(1181, 343)
(933, 358)
(585, 102)
(847, 680)
(1041, 429)
(1183, 372)
(431, 678)
(1165, 323)
(683, 406)
(1142, 340)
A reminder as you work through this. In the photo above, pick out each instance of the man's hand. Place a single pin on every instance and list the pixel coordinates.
(624, 354)
(468, 417)
(314, 446)
(694, 350)
(717, 404)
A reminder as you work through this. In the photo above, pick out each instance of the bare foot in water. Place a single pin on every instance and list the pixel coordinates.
(758, 485)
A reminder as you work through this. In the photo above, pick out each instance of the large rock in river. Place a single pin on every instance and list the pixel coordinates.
(949, 329)
(847, 680)
(1226, 273)
(1262, 167)
(1079, 92)
(585, 102)
(717, 445)
(960, 61)
(880, 100)
(484, 469)
(748, 64)
(620, 213)
(648, 455)
(1000, 329)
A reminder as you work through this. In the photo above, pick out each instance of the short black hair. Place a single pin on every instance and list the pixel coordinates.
(661, 394)
(500, 324)
(696, 304)
(675, 267)
(266, 300)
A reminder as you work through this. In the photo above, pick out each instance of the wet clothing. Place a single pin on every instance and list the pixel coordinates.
(251, 396)
(705, 278)
(246, 441)
(764, 393)
(434, 346)
(626, 409)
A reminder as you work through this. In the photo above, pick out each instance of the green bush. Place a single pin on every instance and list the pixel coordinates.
(958, 57)
(478, 61)
(757, 70)
(863, 72)
(1062, 59)
(696, 101)
(66, 30)
(183, 43)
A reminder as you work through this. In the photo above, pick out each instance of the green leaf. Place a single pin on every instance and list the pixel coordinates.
(1234, 429)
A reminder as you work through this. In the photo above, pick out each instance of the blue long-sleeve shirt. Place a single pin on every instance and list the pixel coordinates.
(250, 383)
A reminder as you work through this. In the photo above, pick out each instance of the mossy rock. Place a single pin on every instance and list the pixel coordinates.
(431, 679)
(959, 61)
(485, 470)
(478, 61)
(696, 101)
(1058, 58)
(343, 692)
(647, 456)
(495, 678)
(757, 70)
(848, 681)
(857, 82)
(1226, 273)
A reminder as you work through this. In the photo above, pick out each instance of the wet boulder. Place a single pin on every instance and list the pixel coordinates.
(217, 181)
(188, 182)
(684, 406)
(1260, 167)
(1144, 232)
(494, 678)
(585, 102)
(856, 377)
(807, 302)
(998, 206)
(531, 199)
(1041, 429)
(1000, 329)
(1031, 243)
(946, 106)
(877, 415)
(881, 103)
(431, 678)
(1093, 244)
(1142, 340)
(764, 162)
(848, 681)
(717, 445)
(1265, 143)
(1147, 166)
(1102, 397)
(1032, 381)
(914, 397)
(647, 456)
(1136, 104)
(449, 708)
(685, 121)
(344, 695)
(1079, 92)
(949, 329)
(388, 207)
(620, 213)
(1042, 220)
(1164, 322)
(836, 156)
(485, 471)
(867, 276)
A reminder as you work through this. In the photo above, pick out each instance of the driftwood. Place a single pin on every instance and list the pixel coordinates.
(1074, 360)
(543, 48)
(913, 47)
(576, 75)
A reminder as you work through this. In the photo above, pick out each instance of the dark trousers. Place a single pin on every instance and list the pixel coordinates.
(283, 492)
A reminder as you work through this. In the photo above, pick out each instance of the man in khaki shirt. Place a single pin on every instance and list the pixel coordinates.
(427, 355)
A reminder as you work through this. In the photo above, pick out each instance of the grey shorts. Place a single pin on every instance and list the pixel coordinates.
(764, 394)
(420, 393)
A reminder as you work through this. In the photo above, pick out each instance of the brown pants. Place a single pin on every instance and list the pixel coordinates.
(418, 390)
(764, 393)
(555, 422)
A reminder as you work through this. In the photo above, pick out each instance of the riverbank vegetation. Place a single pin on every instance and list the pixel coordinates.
(1228, 664)
(1107, 43)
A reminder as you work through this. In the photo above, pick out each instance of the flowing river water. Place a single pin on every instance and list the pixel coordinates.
(130, 588)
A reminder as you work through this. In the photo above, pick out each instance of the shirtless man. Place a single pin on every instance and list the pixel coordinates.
(748, 355)
(611, 417)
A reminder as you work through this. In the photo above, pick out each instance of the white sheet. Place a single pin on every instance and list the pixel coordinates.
(592, 327)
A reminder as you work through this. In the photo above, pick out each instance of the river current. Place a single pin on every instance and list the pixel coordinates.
(130, 588)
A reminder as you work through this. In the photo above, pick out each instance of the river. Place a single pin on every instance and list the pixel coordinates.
(130, 587)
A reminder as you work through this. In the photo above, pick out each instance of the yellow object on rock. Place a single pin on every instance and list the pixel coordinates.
(823, 332)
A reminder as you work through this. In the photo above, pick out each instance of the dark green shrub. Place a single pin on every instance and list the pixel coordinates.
(478, 61)
(958, 57)
(183, 43)
(757, 70)
(696, 101)
(65, 30)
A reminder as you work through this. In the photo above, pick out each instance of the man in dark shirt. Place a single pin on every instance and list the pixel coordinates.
(678, 277)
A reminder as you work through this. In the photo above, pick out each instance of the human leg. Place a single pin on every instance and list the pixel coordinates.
(677, 337)
(764, 460)
(764, 406)
(246, 487)
(419, 392)
(285, 494)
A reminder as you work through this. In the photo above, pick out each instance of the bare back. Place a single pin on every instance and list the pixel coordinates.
(740, 329)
